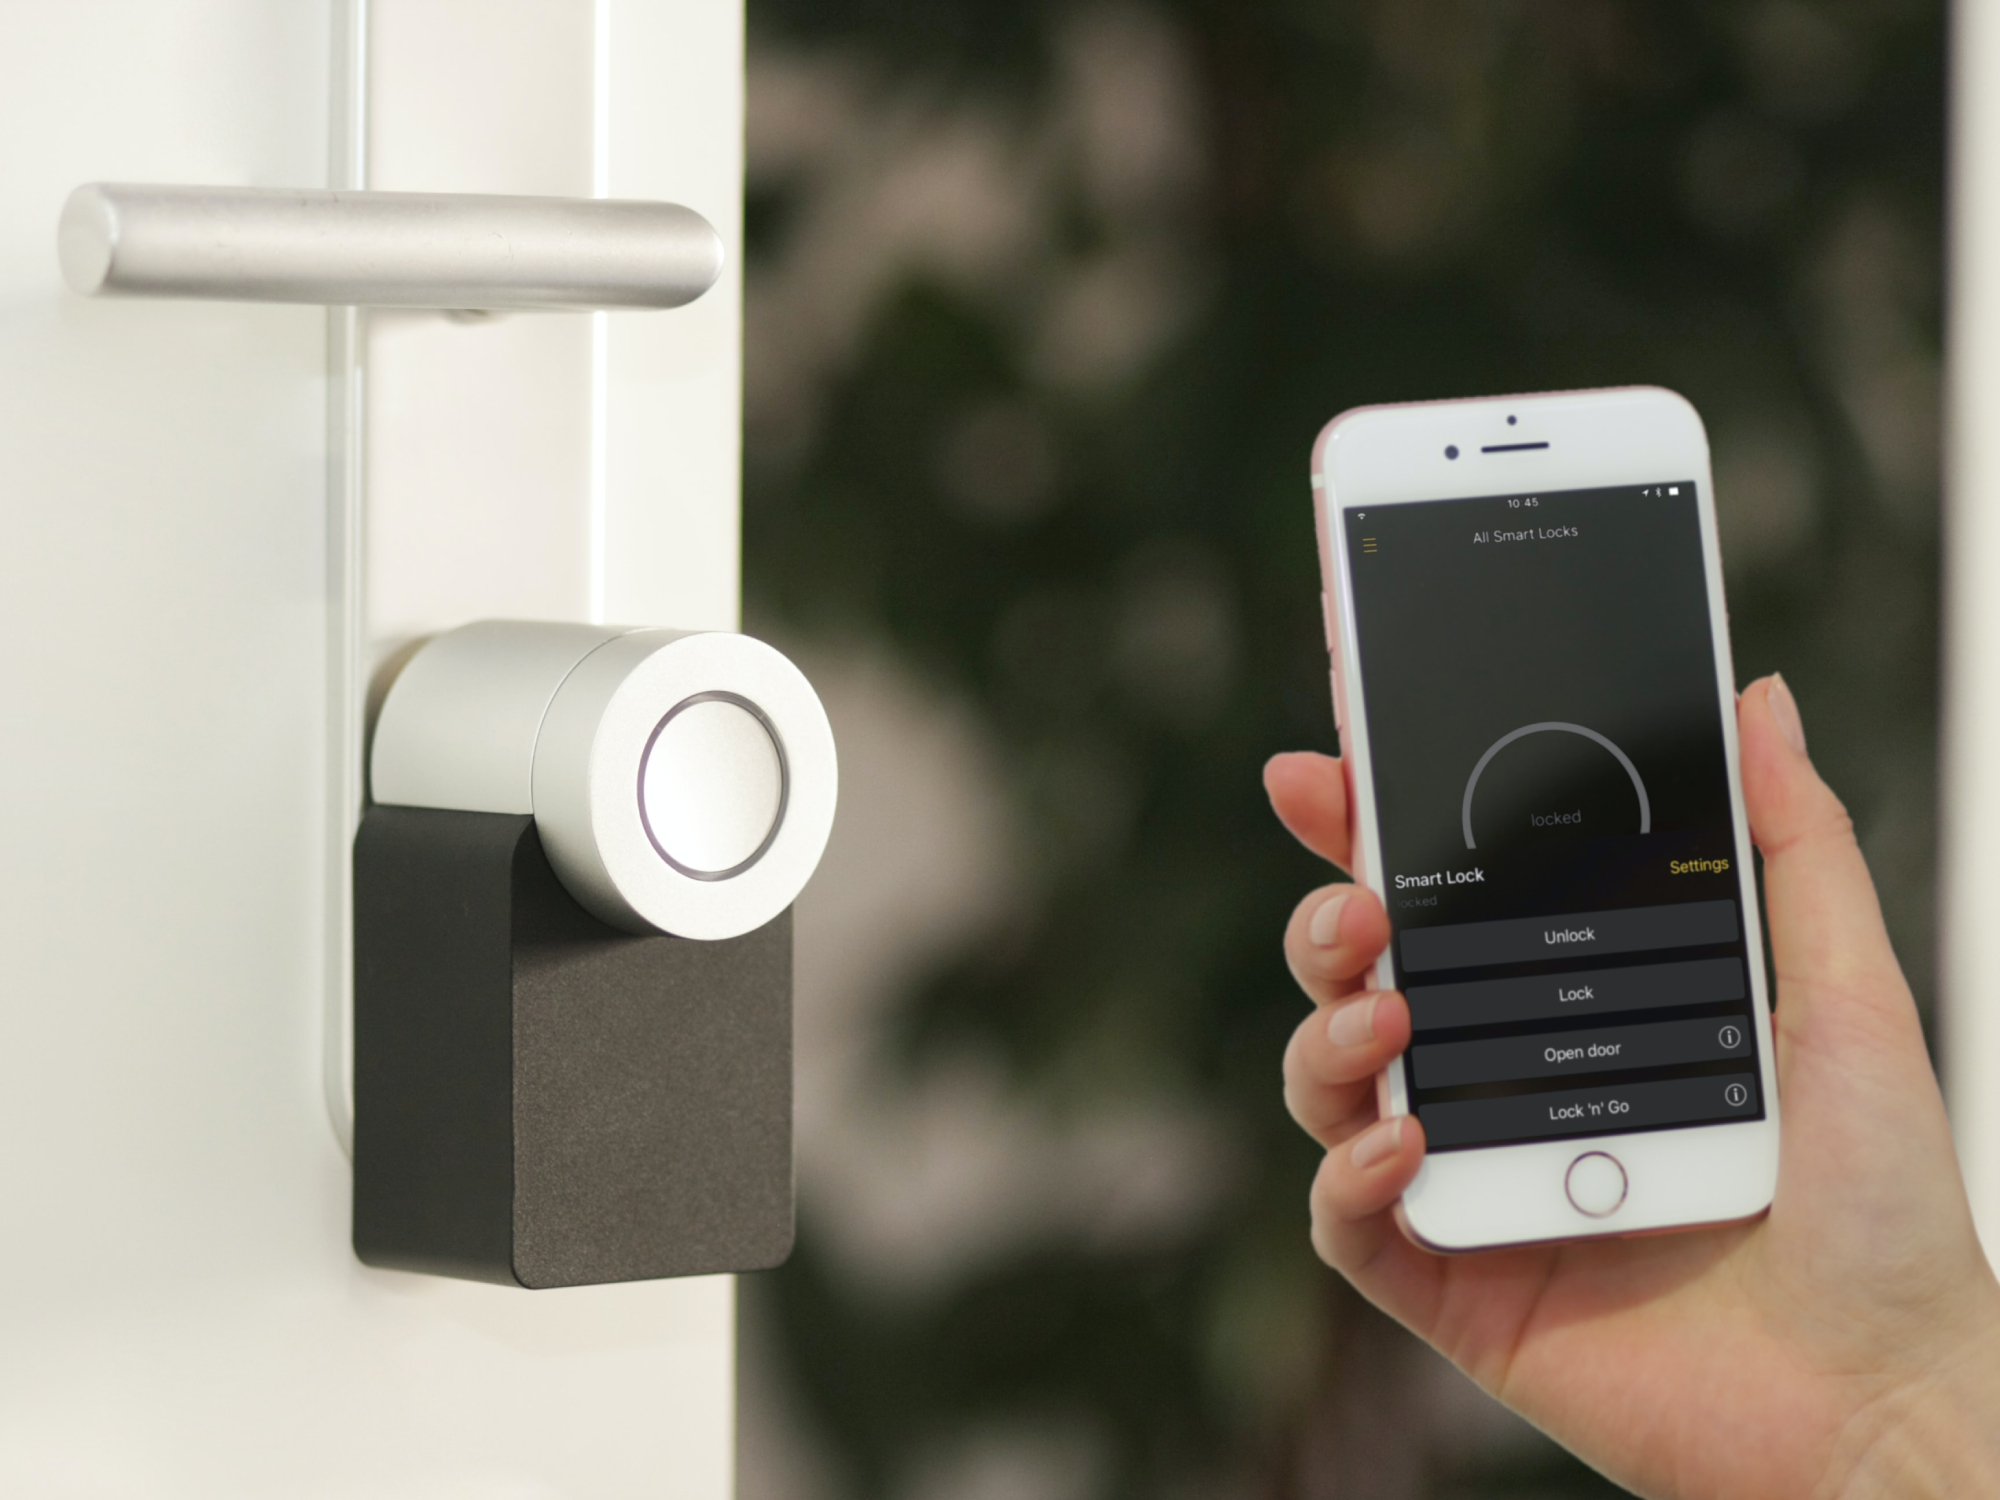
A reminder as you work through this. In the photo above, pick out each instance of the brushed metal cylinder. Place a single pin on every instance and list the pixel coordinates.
(437, 250)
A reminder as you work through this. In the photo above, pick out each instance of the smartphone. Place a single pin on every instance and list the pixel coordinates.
(1533, 691)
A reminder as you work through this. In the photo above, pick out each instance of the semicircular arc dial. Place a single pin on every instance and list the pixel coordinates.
(1545, 727)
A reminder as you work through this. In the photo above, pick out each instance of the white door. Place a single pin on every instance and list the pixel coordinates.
(180, 1313)
(1969, 1001)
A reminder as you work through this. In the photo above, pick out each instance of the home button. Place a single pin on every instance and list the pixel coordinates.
(1595, 1184)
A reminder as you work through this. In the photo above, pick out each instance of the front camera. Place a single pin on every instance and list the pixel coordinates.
(1451, 450)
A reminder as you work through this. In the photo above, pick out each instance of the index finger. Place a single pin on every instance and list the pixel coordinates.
(1309, 794)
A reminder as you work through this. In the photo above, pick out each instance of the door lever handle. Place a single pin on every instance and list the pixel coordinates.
(468, 251)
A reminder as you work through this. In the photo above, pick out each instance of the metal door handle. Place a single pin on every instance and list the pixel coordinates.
(438, 250)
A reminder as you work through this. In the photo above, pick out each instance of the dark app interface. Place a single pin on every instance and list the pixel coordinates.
(1553, 797)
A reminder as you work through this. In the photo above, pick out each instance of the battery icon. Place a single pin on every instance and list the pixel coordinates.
(1673, 489)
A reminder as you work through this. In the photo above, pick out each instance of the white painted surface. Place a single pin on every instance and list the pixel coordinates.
(536, 467)
(180, 1312)
(491, 442)
(1969, 824)
(1971, 795)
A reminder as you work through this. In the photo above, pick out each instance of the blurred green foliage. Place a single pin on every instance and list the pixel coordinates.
(1110, 555)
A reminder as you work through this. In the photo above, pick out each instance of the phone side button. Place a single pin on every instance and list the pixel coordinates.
(1596, 1184)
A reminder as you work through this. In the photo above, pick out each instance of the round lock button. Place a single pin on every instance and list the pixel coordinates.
(712, 786)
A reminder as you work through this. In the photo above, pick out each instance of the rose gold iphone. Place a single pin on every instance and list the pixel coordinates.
(1532, 683)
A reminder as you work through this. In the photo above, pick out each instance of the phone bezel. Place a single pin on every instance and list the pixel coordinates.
(1374, 457)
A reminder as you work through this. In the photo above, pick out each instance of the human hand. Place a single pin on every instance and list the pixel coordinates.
(1846, 1343)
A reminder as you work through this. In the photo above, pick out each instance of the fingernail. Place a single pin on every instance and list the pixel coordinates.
(1377, 1143)
(1353, 1023)
(1785, 709)
(1324, 929)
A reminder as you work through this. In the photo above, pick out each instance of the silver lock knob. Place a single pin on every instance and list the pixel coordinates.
(681, 782)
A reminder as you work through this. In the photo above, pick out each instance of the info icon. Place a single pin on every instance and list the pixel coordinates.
(1731, 1038)
(1736, 1096)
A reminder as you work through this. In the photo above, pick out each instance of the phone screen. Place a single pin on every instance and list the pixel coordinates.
(1552, 794)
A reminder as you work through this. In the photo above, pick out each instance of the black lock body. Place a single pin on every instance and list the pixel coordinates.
(543, 1100)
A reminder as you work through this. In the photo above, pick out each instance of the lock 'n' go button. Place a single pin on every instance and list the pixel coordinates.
(1588, 1111)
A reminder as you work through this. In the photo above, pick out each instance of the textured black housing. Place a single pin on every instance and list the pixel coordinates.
(543, 1100)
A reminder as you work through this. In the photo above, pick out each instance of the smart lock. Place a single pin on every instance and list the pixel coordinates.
(572, 1019)
(571, 886)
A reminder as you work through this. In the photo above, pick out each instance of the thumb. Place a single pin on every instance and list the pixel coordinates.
(1869, 1194)
(1826, 932)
